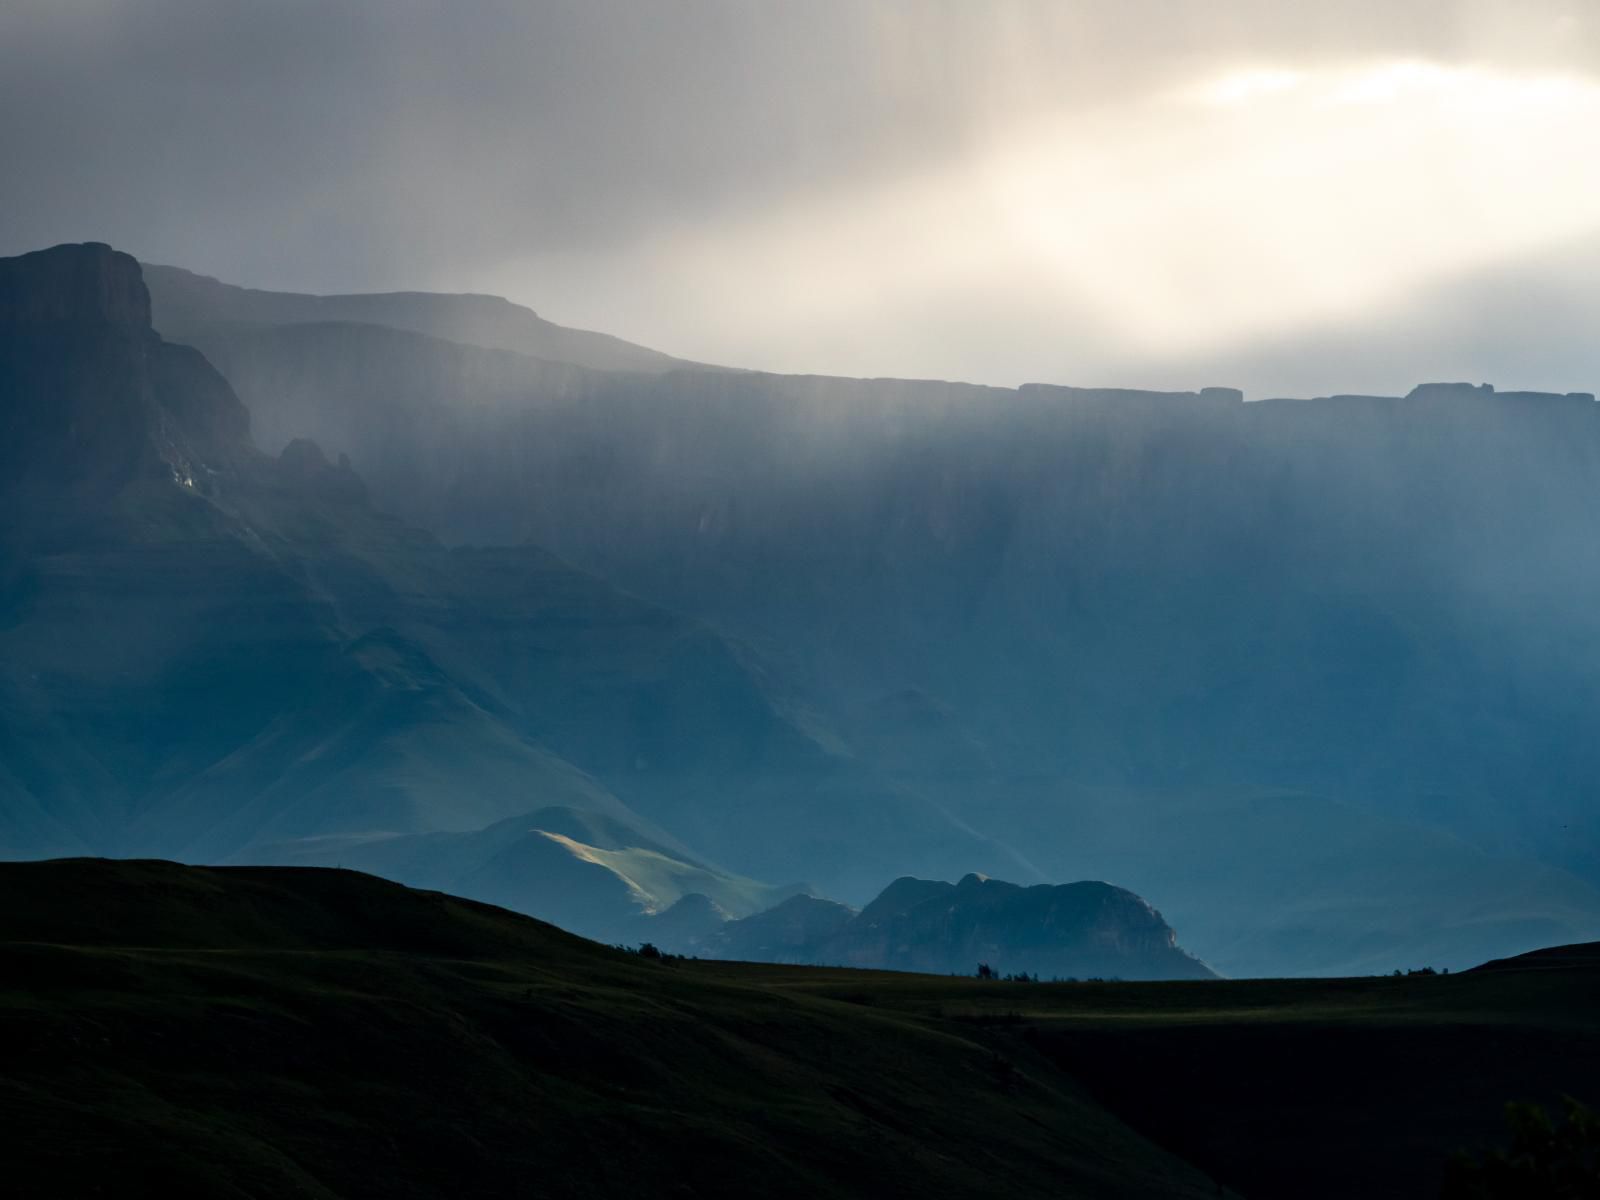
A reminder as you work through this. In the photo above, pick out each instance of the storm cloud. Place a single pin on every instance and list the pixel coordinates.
(1159, 194)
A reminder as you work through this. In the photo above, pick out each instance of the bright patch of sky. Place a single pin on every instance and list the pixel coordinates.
(1247, 204)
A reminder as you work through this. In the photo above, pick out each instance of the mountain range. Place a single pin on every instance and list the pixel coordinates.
(1316, 674)
(208, 650)
(221, 655)
(659, 648)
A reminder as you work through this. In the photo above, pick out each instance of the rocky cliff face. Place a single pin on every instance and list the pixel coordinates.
(96, 404)
(206, 651)
(1112, 630)
(1076, 930)
(89, 284)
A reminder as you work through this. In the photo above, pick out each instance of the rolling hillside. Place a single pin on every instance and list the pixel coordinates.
(182, 1031)
(175, 1031)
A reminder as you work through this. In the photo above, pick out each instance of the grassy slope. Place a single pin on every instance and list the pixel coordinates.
(287, 1032)
(274, 1031)
(1298, 1088)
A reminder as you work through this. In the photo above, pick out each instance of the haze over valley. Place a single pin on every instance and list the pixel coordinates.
(863, 599)
(1277, 667)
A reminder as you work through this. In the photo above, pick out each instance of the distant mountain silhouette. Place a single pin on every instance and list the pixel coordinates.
(1075, 930)
(1317, 674)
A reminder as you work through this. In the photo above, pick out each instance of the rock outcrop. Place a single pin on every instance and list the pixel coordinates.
(1075, 930)
(87, 282)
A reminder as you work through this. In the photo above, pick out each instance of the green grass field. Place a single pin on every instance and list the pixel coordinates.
(175, 1031)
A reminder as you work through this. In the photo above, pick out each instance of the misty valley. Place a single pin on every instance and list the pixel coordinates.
(644, 648)
(920, 788)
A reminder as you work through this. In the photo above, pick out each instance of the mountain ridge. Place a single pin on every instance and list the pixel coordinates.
(184, 301)
(923, 626)
(207, 650)
(1104, 625)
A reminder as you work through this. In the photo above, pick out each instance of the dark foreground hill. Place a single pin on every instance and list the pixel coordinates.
(298, 1032)
(180, 1031)
(1294, 1089)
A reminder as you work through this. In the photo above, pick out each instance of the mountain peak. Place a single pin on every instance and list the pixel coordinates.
(74, 282)
(92, 400)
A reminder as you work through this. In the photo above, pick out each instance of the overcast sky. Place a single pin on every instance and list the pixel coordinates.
(1289, 198)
